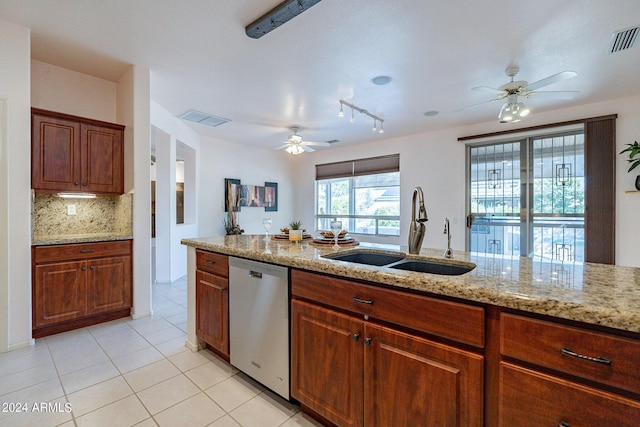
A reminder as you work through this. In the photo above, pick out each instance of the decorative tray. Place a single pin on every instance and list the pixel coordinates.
(284, 236)
(342, 241)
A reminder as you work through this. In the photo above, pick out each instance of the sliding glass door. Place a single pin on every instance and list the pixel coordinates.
(526, 197)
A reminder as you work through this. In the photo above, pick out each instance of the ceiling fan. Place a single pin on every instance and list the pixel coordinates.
(512, 110)
(296, 145)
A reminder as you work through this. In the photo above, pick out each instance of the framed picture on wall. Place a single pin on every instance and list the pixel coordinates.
(271, 196)
(232, 192)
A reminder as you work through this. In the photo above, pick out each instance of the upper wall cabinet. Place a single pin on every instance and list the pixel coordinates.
(71, 153)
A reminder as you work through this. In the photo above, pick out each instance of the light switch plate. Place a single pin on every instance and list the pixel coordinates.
(71, 209)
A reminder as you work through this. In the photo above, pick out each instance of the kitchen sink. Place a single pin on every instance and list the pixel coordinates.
(423, 266)
(367, 257)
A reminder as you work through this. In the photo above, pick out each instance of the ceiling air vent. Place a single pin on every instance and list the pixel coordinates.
(203, 118)
(624, 39)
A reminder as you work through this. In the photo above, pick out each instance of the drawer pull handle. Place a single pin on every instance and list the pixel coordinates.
(363, 301)
(84, 268)
(87, 251)
(599, 359)
(355, 337)
(563, 424)
(367, 341)
(93, 267)
(208, 261)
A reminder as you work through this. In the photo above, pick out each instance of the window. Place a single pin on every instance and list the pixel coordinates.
(363, 194)
(527, 197)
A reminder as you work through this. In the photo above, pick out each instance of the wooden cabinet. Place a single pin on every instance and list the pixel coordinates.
(531, 399)
(569, 375)
(327, 365)
(71, 153)
(80, 284)
(212, 300)
(354, 371)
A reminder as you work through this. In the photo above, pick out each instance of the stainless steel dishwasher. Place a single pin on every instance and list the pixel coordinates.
(259, 322)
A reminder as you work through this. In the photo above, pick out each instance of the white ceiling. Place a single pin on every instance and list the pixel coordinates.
(435, 51)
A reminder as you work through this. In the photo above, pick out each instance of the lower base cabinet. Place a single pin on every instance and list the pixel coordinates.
(212, 301)
(354, 373)
(80, 284)
(531, 399)
(212, 311)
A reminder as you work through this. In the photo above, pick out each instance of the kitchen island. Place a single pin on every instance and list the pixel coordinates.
(516, 341)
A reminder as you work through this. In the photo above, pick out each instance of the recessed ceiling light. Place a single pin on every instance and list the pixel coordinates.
(431, 113)
(381, 80)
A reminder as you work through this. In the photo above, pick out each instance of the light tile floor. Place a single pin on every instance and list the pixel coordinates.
(134, 372)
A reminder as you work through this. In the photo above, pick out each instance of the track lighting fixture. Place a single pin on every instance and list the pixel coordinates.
(376, 120)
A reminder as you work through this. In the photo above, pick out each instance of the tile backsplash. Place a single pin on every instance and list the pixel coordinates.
(104, 214)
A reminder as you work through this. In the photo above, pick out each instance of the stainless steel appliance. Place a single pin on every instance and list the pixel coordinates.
(259, 322)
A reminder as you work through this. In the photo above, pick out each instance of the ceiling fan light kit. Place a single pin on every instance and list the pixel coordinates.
(376, 120)
(513, 111)
(297, 145)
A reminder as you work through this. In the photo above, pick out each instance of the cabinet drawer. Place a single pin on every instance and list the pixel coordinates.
(212, 262)
(529, 398)
(459, 322)
(53, 253)
(542, 343)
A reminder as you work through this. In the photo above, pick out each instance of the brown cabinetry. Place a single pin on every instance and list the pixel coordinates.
(572, 376)
(354, 371)
(80, 284)
(71, 153)
(212, 300)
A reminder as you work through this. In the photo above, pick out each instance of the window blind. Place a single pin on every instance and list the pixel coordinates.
(359, 167)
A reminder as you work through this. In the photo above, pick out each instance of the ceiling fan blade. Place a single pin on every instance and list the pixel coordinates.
(556, 94)
(307, 148)
(486, 89)
(317, 144)
(282, 147)
(551, 80)
(475, 105)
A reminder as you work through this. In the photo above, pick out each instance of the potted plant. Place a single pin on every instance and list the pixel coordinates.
(295, 232)
(634, 151)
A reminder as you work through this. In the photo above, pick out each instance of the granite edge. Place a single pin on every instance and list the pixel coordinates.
(590, 314)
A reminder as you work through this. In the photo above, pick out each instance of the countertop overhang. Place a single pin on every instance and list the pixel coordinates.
(597, 294)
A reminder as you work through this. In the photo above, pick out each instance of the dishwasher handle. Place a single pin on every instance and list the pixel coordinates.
(255, 274)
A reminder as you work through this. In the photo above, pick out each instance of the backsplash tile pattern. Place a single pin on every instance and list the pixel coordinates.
(104, 214)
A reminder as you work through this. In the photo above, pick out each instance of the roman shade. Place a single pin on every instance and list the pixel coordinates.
(359, 167)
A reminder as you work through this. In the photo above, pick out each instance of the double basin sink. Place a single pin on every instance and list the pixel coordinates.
(399, 261)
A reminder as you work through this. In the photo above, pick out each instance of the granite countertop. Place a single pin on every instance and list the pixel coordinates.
(597, 294)
(77, 238)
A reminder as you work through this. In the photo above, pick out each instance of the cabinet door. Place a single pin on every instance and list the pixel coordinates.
(60, 292)
(412, 381)
(212, 310)
(55, 154)
(109, 284)
(531, 399)
(102, 159)
(327, 363)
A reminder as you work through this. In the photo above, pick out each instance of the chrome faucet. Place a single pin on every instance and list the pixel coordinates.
(417, 227)
(447, 230)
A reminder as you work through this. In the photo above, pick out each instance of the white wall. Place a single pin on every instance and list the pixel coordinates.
(171, 256)
(253, 166)
(15, 185)
(436, 161)
(65, 91)
(133, 110)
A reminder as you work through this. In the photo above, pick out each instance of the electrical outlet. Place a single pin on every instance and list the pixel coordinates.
(71, 209)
